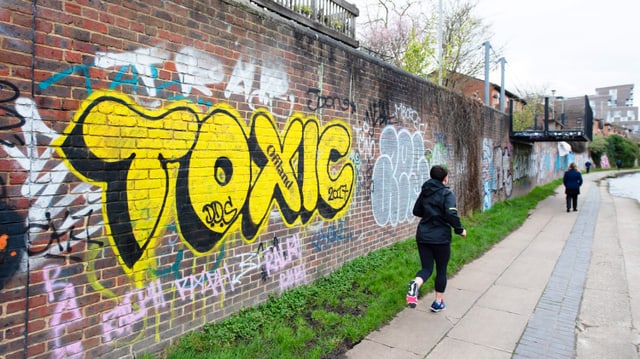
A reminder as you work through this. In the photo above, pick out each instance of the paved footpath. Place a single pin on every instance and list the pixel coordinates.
(564, 285)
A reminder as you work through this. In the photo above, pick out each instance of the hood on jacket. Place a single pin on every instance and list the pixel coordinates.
(432, 186)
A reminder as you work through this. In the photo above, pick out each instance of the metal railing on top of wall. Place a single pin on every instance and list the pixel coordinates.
(334, 18)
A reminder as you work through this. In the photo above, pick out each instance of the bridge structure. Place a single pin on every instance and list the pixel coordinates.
(575, 124)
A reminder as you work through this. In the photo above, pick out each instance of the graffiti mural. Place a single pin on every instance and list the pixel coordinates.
(409, 116)
(364, 157)
(497, 175)
(12, 239)
(67, 315)
(336, 232)
(196, 71)
(400, 170)
(12, 228)
(155, 166)
(318, 101)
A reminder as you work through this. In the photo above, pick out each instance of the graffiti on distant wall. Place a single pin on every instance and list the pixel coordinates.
(496, 172)
(402, 166)
(604, 161)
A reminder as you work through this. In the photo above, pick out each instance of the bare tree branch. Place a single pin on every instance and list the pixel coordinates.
(401, 28)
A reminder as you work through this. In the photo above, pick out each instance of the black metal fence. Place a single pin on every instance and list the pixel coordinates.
(334, 18)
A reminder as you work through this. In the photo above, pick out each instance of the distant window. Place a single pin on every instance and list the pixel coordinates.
(613, 96)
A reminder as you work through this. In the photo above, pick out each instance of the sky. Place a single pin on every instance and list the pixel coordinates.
(570, 46)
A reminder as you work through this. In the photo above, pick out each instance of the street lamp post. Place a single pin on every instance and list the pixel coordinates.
(561, 98)
(553, 104)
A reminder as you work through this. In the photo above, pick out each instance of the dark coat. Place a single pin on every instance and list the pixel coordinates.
(572, 181)
(436, 205)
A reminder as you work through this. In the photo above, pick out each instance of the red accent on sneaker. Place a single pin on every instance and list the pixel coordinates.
(412, 301)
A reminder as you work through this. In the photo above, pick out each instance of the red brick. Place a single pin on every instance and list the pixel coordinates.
(49, 52)
(15, 58)
(73, 8)
(37, 349)
(17, 306)
(15, 355)
(37, 324)
(54, 15)
(14, 332)
(93, 26)
(107, 41)
(73, 57)
(5, 15)
(94, 331)
(24, 20)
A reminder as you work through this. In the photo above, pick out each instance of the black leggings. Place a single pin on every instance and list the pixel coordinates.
(440, 253)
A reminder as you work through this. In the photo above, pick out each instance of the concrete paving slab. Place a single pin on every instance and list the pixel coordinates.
(458, 301)
(413, 330)
(602, 308)
(492, 264)
(534, 223)
(368, 349)
(546, 247)
(604, 343)
(548, 241)
(607, 273)
(510, 299)
(528, 273)
(475, 281)
(491, 328)
(454, 348)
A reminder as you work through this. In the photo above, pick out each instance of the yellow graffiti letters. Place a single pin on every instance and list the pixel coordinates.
(214, 180)
(108, 143)
(336, 173)
(277, 177)
(208, 172)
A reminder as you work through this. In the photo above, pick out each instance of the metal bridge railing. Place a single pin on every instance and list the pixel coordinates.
(334, 18)
(574, 124)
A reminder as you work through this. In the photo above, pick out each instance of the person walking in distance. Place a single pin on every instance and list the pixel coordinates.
(572, 181)
(436, 207)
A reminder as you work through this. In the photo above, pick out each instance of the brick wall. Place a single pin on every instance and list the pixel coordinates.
(164, 164)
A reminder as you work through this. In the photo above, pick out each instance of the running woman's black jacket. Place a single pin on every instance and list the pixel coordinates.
(436, 205)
